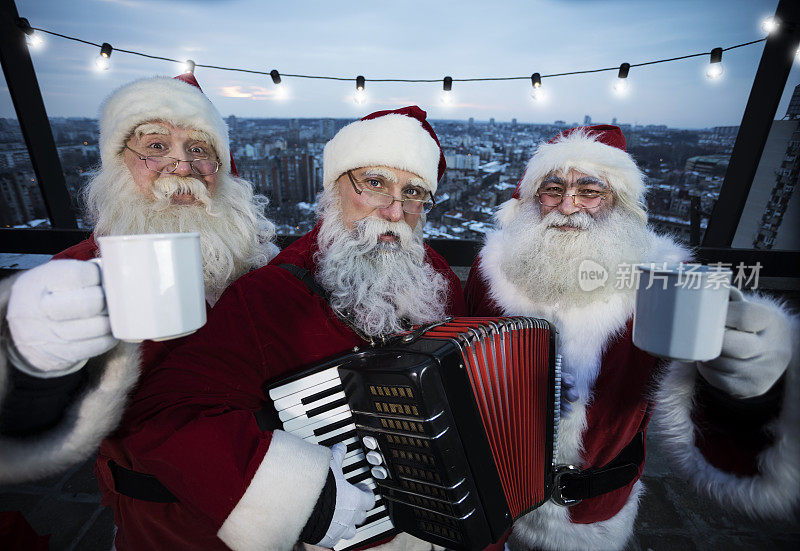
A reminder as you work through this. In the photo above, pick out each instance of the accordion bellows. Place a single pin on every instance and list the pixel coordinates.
(454, 429)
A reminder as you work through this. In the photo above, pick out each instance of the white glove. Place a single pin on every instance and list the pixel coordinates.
(352, 503)
(56, 315)
(568, 393)
(756, 350)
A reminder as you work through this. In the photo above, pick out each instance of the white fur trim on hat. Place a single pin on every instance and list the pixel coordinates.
(395, 141)
(160, 99)
(582, 152)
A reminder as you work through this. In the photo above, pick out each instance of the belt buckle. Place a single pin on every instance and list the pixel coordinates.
(557, 497)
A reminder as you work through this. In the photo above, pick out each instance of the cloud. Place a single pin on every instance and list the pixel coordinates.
(250, 92)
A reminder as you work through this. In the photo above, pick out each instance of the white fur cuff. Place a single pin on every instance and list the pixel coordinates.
(280, 497)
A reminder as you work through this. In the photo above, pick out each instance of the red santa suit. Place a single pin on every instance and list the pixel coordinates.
(616, 383)
(191, 422)
(96, 411)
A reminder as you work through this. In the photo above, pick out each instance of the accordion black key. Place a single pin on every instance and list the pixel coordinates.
(453, 428)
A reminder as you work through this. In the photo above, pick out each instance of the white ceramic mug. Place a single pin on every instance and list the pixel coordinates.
(153, 285)
(681, 310)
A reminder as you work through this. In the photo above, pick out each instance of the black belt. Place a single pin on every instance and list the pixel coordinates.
(573, 485)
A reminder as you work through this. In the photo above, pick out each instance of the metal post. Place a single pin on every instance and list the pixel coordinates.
(28, 103)
(773, 70)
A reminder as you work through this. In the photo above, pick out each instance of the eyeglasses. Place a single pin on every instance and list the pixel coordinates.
(168, 165)
(380, 200)
(587, 199)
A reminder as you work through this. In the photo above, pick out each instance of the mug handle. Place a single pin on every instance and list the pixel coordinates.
(99, 263)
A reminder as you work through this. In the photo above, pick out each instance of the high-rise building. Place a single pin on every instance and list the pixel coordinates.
(587, 120)
(771, 217)
(614, 121)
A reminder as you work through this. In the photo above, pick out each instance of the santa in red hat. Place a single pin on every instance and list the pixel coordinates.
(361, 274)
(581, 202)
(165, 167)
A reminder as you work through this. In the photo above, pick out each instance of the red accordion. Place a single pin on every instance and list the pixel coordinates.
(453, 426)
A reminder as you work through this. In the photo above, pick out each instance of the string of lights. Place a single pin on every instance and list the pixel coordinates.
(714, 70)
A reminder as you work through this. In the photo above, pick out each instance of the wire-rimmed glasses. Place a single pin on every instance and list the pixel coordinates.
(586, 199)
(380, 200)
(168, 165)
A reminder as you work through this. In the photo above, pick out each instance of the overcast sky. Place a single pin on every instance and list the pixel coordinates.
(420, 39)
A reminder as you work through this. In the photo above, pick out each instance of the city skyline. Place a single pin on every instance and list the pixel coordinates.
(465, 39)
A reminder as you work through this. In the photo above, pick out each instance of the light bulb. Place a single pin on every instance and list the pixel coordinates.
(769, 25)
(714, 70)
(360, 97)
(621, 86)
(35, 40)
(102, 62)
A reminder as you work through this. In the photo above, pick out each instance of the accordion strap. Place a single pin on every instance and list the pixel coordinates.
(573, 486)
(307, 279)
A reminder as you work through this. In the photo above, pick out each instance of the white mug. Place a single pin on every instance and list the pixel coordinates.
(681, 310)
(153, 285)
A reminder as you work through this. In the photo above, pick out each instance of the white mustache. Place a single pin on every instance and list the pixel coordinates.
(169, 185)
(580, 220)
(369, 229)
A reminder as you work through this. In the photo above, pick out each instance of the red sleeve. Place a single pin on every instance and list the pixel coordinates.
(476, 293)
(85, 250)
(730, 432)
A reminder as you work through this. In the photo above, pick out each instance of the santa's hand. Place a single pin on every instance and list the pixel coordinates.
(756, 350)
(568, 392)
(352, 503)
(56, 316)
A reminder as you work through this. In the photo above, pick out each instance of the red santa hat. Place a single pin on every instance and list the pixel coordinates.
(595, 150)
(398, 138)
(178, 101)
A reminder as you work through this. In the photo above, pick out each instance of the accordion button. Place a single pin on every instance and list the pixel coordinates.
(380, 473)
(374, 458)
(370, 442)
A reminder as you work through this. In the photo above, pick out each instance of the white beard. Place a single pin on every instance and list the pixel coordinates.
(544, 262)
(235, 236)
(377, 285)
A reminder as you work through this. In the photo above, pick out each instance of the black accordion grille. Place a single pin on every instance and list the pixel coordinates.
(396, 409)
(438, 525)
(393, 391)
(403, 425)
(420, 459)
(419, 474)
(409, 441)
(439, 506)
(433, 491)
